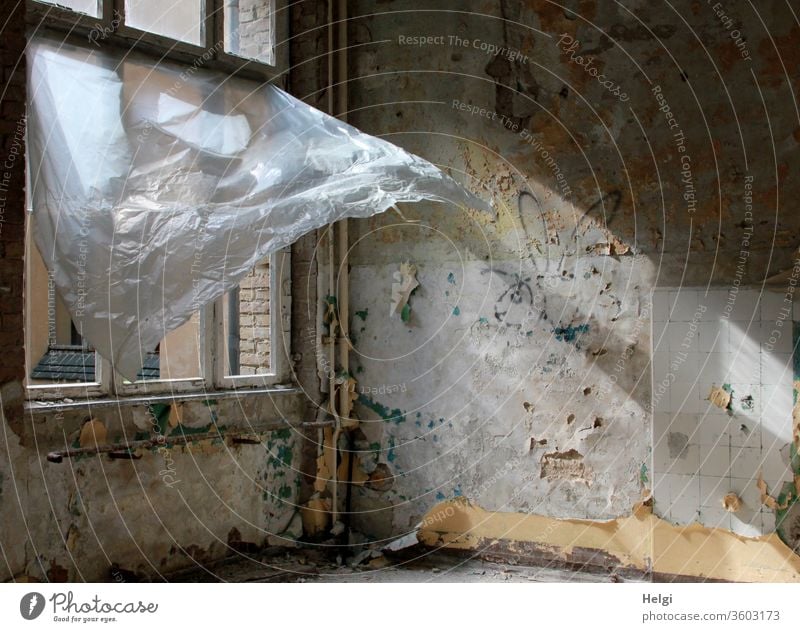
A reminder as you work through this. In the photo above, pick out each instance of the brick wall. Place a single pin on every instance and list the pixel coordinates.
(254, 316)
(253, 34)
(12, 209)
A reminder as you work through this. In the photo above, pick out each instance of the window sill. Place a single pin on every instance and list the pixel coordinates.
(42, 406)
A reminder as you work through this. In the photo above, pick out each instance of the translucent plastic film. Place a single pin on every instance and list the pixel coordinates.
(155, 188)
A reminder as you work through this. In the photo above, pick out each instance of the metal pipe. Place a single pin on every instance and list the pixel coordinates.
(57, 456)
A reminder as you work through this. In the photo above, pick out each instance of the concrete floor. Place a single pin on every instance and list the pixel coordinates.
(310, 566)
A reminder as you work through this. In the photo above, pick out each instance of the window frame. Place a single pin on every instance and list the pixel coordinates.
(280, 309)
(78, 28)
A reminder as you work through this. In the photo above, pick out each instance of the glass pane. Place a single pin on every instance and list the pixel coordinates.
(181, 20)
(89, 7)
(249, 29)
(177, 356)
(246, 321)
(54, 349)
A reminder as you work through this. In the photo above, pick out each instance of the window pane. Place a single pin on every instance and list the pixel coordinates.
(89, 7)
(249, 28)
(246, 320)
(55, 352)
(181, 20)
(177, 356)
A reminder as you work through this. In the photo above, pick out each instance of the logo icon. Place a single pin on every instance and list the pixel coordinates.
(31, 605)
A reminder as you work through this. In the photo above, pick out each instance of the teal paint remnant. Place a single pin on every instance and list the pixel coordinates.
(570, 333)
(440, 496)
(451, 278)
(363, 313)
(456, 311)
(394, 415)
(643, 474)
(391, 455)
(285, 491)
(483, 321)
(405, 313)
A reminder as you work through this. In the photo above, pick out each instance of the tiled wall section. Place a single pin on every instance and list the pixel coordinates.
(703, 339)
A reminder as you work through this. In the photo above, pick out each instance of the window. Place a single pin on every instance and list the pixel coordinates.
(239, 341)
(182, 20)
(224, 34)
(87, 7)
(242, 339)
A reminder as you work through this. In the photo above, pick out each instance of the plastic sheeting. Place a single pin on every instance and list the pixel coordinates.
(155, 188)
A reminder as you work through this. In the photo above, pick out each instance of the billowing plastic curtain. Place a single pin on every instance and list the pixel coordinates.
(155, 188)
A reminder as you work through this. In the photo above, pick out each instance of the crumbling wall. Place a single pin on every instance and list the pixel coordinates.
(152, 510)
(529, 333)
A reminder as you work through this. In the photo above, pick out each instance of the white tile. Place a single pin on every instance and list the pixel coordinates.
(715, 517)
(771, 306)
(685, 491)
(776, 408)
(715, 302)
(685, 302)
(715, 461)
(744, 433)
(745, 462)
(660, 338)
(687, 462)
(747, 490)
(745, 367)
(684, 514)
(684, 398)
(768, 521)
(745, 307)
(716, 367)
(687, 424)
(660, 365)
(712, 489)
(776, 368)
(660, 305)
(713, 336)
(745, 398)
(714, 431)
(676, 333)
(662, 461)
(776, 339)
(747, 524)
(775, 470)
(744, 337)
(685, 366)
